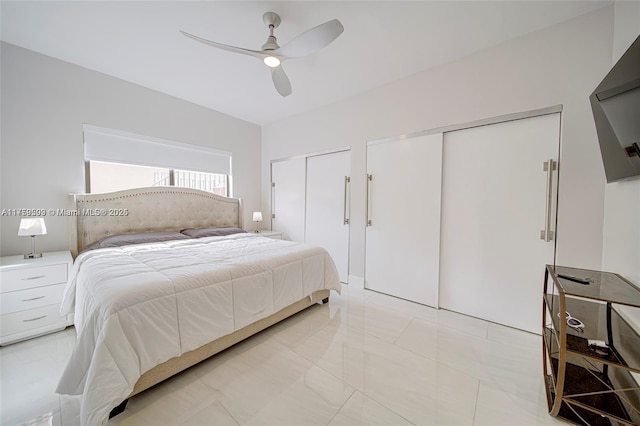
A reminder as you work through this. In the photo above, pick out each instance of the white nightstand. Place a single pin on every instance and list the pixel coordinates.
(30, 295)
(276, 235)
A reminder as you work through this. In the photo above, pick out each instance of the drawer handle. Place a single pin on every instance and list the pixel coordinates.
(33, 298)
(34, 278)
(35, 319)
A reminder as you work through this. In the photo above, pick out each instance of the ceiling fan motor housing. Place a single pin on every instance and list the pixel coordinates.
(271, 44)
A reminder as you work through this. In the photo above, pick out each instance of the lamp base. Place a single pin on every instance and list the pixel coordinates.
(33, 255)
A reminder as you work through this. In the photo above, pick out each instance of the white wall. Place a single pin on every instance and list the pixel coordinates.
(559, 65)
(621, 233)
(45, 101)
(621, 251)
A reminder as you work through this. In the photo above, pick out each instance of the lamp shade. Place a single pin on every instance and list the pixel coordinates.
(32, 226)
(257, 216)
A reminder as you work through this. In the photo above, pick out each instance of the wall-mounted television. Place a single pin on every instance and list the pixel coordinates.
(616, 110)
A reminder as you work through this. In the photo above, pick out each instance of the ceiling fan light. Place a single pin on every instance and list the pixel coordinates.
(272, 61)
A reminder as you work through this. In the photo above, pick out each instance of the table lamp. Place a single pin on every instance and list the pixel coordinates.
(30, 227)
(257, 218)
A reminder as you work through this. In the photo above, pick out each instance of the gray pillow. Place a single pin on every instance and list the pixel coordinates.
(211, 232)
(128, 239)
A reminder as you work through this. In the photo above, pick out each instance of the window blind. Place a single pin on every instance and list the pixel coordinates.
(102, 144)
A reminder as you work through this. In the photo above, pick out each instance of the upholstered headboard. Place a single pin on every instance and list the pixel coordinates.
(166, 208)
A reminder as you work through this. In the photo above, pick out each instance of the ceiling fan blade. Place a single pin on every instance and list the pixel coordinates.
(254, 53)
(281, 81)
(312, 40)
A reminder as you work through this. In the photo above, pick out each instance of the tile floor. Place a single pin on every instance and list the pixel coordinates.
(365, 358)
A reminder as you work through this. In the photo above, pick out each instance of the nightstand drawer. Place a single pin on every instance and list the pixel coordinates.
(17, 301)
(18, 322)
(24, 278)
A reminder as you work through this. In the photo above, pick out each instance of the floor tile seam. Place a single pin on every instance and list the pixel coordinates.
(296, 354)
(342, 380)
(386, 407)
(351, 328)
(459, 330)
(465, 373)
(414, 352)
(359, 389)
(533, 403)
(496, 386)
(399, 311)
(436, 360)
(215, 399)
(307, 337)
(362, 391)
(228, 412)
(380, 339)
(402, 332)
(475, 405)
(480, 339)
(325, 370)
(437, 321)
(486, 379)
(342, 406)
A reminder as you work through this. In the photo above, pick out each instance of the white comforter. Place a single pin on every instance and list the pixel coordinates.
(138, 306)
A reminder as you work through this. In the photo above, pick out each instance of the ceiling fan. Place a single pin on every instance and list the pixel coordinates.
(273, 55)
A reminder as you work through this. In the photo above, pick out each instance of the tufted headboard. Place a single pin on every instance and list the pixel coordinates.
(164, 208)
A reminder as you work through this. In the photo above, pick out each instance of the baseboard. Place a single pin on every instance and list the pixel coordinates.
(356, 282)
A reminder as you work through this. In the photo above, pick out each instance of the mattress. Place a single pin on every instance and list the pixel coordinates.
(139, 306)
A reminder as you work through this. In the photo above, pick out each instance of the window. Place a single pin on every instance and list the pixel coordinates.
(108, 177)
(117, 160)
(211, 182)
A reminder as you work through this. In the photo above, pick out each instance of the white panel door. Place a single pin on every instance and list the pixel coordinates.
(403, 235)
(327, 223)
(287, 198)
(493, 209)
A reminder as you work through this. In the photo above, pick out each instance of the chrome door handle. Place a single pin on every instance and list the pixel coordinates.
(273, 200)
(547, 234)
(369, 179)
(347, 181)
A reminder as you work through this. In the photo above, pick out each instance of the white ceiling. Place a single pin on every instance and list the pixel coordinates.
(383, 41)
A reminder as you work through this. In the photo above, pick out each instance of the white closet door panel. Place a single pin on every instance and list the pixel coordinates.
(328, 207)
(288, 198)
(493, 209)
(402, 242)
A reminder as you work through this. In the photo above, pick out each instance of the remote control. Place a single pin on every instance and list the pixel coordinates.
(574, 279)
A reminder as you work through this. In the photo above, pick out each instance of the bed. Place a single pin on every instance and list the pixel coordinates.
(145, 312)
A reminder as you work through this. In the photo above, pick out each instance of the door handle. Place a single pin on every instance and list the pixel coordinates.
(273, 200)
(347, 181)
(547, 234)
(369, 179)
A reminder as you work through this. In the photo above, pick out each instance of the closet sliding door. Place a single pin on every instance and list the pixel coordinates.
(327, 208)
(288, 198)
(310, 203)
(403, 218)
(498, 219)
